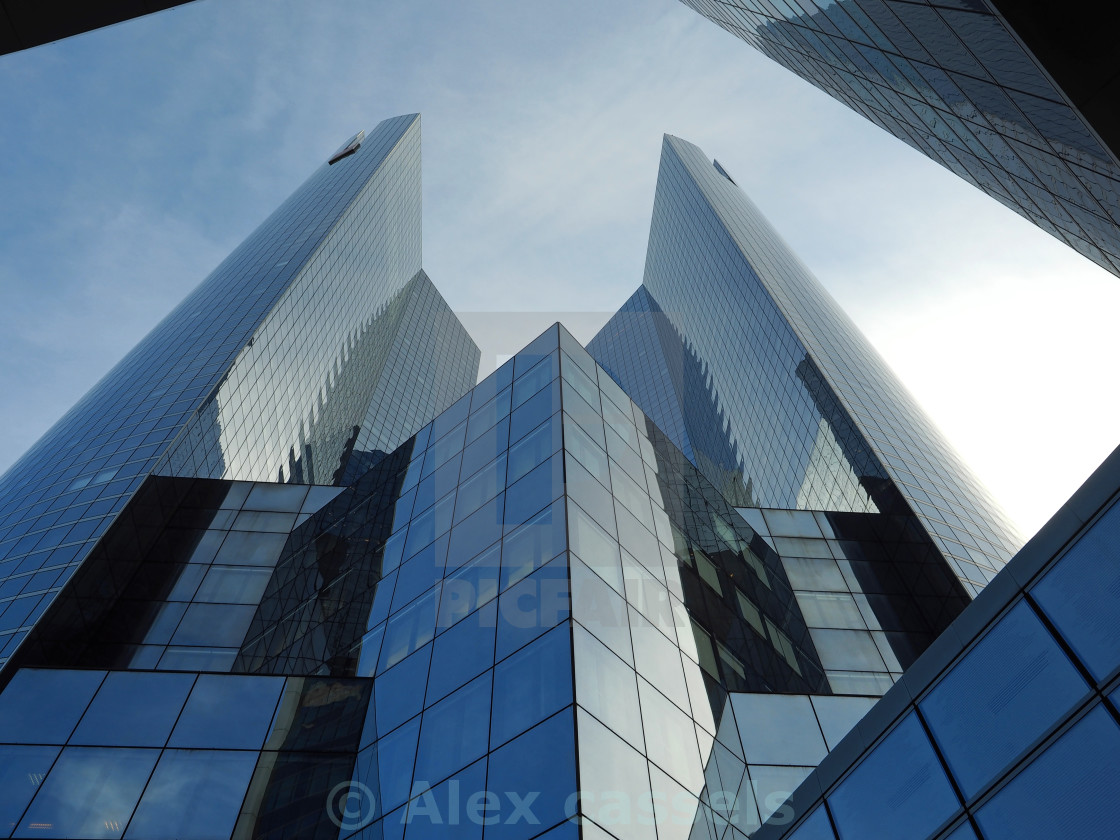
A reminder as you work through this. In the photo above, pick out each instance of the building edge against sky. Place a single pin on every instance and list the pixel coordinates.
(959, 84)
(266, 371)
(736, 351)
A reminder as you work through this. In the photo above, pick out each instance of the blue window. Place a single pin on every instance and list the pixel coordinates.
(816, 827)
(532, 493)
(463, 652)
(387, 766)
(398, 694)
(1070, 790)
(536, 774)
(490, 445)
(22, 768)
(420, 573)
(1003, 695)
(455, 809)
(533, 544)
(42, 707)
(469, 588)
(534, 412)
(478, 531)
(134, 709)
(193, 795)
(228, 712)
(533, 605)
(898, 790)
(90, 792)
(454, 732)
(409, 630)
(533, 450)
(532, 684)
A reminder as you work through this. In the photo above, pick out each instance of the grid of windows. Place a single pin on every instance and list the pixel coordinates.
(803, 400)
(954, 82)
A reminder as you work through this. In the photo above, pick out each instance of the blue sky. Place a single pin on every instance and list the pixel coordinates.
(134, 158)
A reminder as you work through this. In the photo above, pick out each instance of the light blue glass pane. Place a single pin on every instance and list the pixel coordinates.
(22, 770)
(532, 684)
(386, 768)
(134, 709)
(534, 412)
(533, 380)
(42, 707)
(463, 652)
(478, 531)
(90, 792)
(541, 762)
(592, 496)
(234, 585)
(454, 732)
(816, 827)
(532, 493)
(533, 544)
(533, 450)
(214, 625)
(899, 789)
(479, 489)
(398, 693)
(1002, 696)
(469, 588)
(193, 795)
(607, 688)
(595, 547)
(420, 573)
(1081, 595)
(1070, 790)
(455, 809)
(409, 630)
(487, 416)
(228, 712)
(490, 445)
(531, 606)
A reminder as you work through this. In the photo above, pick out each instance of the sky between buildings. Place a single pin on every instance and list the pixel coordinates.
(133, 159)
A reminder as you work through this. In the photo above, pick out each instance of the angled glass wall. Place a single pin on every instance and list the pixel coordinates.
(957, 83)
(736, 350)
(266, 371)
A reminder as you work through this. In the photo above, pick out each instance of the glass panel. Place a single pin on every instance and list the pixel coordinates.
(387, 767)
(534, 412)
(778, 729)
(454, 732)
(249, 548)
(670, 738)
(773, 786)
(899, 789)
(607, 687)
(816, 827)
(532, 606)
(44, 706)
(533, 544)
(658, 660)
(847, 650)
(839, 715)
(536, 777)
(595, 547)
(193, 795)
(21, 772)
(456, 809)
(470, 587)
(409, 630)
(134, 709)
(1003, 695)
(280, 497)
(214, 625)
(614, 782)
(228, 712)
(1071, 790)
(534, 491)
(1081, 595)
(399, 693)
(601, 610)
(234, 585)
(463, 652)
(90, 792)
(531, 685)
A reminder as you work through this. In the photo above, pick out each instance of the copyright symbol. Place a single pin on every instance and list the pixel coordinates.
(351, 805)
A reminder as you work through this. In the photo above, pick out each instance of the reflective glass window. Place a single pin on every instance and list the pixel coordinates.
(1070, 790)
(839, 715)
(480, 488)
(214, 625)
(534, 491)
(614, 781)
(533, 544)
(409, 630)
(1001, 697)
(533, 450)
(134, 709)
(658, 659)
(531, 606)
(193, 795)
(454, 809)
(816, 827)
(595, 547)
(899, 789)
(530, 382)
(778, 729)
(585, 450)
(773, 785)
(532, 684)
(541, 762)
(455, 731)
(607, 687)
(480, 530)
(1081, 595)
(463, 652)
(847, 650)
(469, 588)
(228, 712)
(420, 573)
(670, 738)
(489, 446)
(278, 497)
(387, 766)
(250, 548)
(22, 769)
(90, 792)
(234, 585)
(398, 693)
(592, 496)
(42, 707)
(601, 610)
(532, 413)
(485, 417)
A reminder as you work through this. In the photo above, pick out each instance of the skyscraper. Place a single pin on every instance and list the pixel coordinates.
(1016, 98)
(318, 342)
(735, 350)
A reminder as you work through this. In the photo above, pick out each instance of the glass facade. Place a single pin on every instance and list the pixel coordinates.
(295, 356)
(535, 608)
(1009, 726)
(957, 83)
(740, 355)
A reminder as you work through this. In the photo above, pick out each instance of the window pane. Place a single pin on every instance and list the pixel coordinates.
(532, 684)
(1004, 694)
(606, 687)
(134, 709)
(531, 606)
(778, 729)
(454, 732)
(898, 790)
(816, 827)
(193, 795)
(614, 781)
(399, 693)
(42, 707)
(1071, 790)
(21, 772)
(90, 792)
(234, 585)
(228, 712)
(463, 652)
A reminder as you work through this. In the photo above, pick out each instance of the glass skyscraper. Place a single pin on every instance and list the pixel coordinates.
(1024, 110)
(735, 350)
(301, 353)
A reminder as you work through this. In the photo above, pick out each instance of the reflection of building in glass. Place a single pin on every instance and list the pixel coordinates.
(1018, 99)
(298, 352)
(735, 350)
